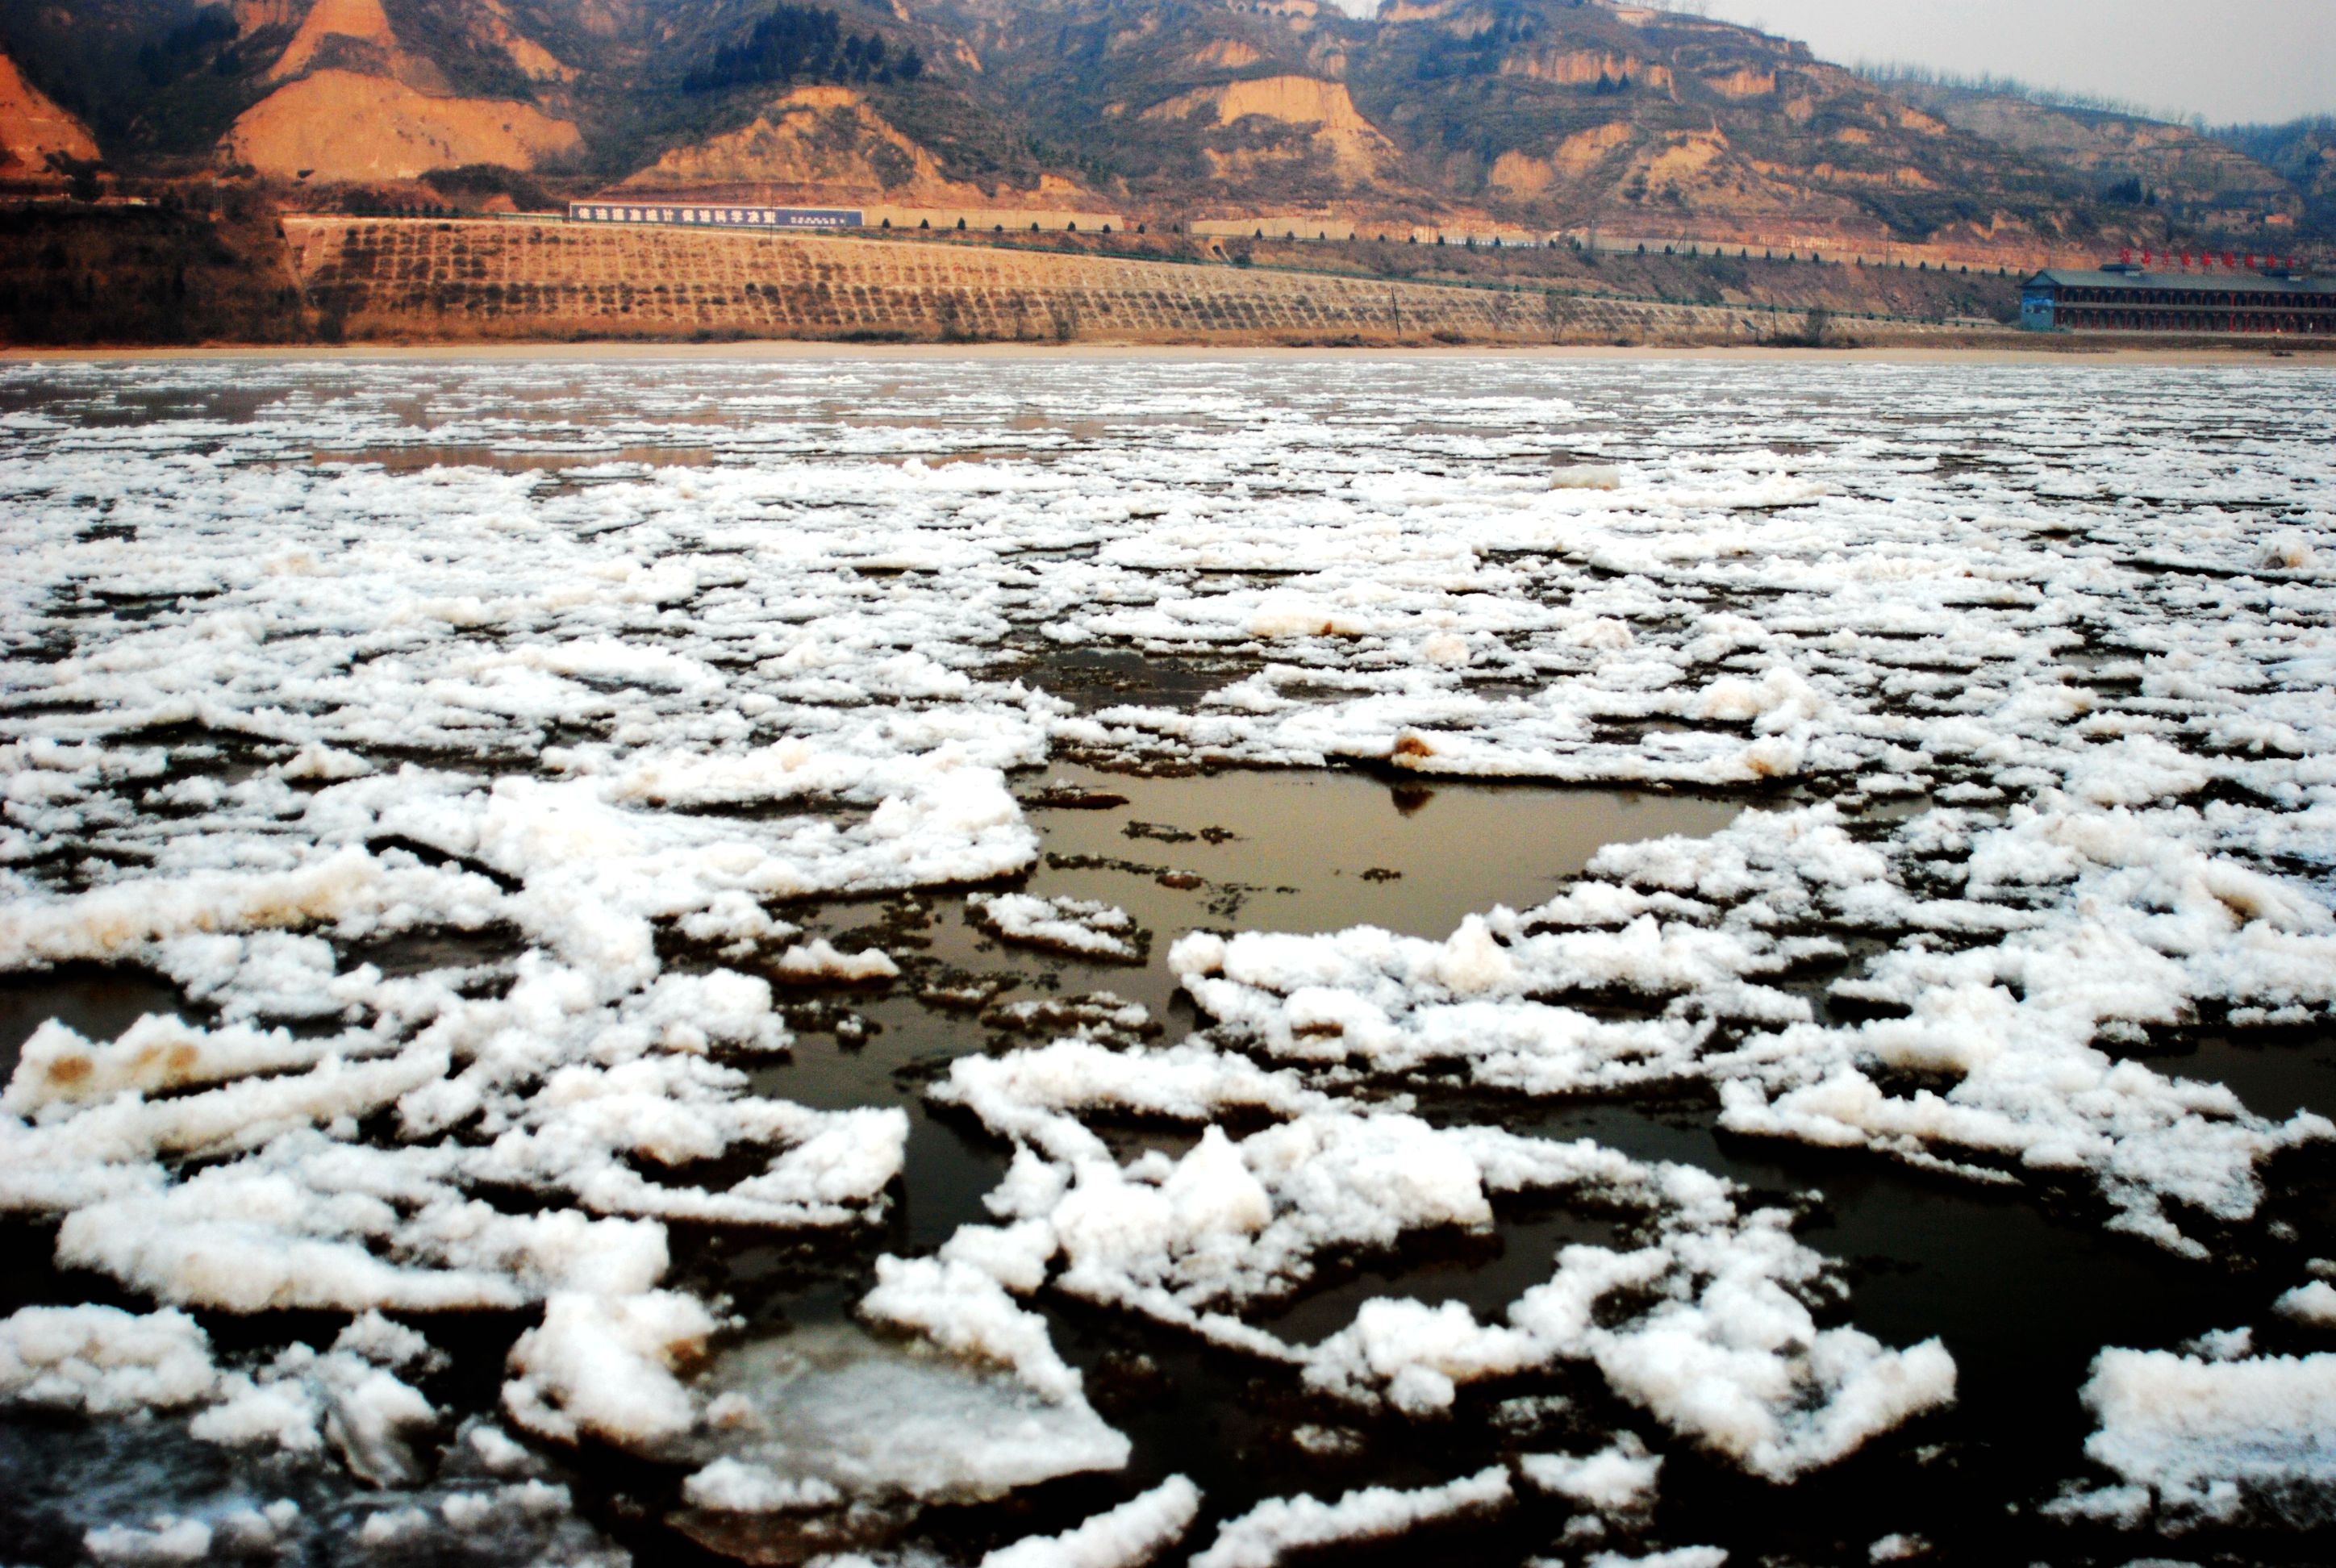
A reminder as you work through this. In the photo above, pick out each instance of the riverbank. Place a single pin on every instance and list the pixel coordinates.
(307, 283)
(2044, 352)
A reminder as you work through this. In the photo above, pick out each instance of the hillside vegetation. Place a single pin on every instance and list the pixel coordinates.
(157, 275)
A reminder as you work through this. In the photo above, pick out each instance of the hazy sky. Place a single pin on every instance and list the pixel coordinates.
(2229, 60)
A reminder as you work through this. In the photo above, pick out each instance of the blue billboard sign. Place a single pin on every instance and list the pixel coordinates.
(715, 215)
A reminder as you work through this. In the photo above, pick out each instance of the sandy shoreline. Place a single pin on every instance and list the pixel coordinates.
(782, 349)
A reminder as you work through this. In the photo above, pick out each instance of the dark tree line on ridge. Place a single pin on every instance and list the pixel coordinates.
(803, 44)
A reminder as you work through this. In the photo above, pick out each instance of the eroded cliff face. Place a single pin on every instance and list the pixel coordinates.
(2315, 169)
(2135, 159)
(1329, 131)
(352, 25)
(254, 15)
(349, 102)
(33, 128)
(340, 125)
(830, 146)
(825, 139)
(1649, 124)
(1564, 67)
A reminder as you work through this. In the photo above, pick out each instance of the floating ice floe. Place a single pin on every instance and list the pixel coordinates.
(2314, 1300)
(1084, 926)
(1615, 1480)
(1281, 1525)
(104, 1360)
(834, 1413)
(2197, 1441)
(1677, 1558)
(1132, 1533)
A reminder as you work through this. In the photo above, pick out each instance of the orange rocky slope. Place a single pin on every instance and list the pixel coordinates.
(341, 125)
(355, 105)
(829, 146)
(32, 128)
(1357, 153)
(346, 22)
(823, 139)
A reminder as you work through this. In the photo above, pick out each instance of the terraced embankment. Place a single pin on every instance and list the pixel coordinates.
(392, 279)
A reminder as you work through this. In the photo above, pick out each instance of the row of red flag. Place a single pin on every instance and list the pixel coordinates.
(2191, 260)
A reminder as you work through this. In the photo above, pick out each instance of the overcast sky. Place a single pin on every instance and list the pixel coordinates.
(2229, 60)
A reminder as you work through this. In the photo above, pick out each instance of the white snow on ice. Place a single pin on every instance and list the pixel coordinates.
(2211, 1439)
(1267, 1533)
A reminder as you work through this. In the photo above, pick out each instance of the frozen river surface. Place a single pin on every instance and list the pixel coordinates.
(1037, 964)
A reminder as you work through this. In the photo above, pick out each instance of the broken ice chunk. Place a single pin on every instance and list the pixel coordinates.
(1617, 1480)
(1133, 1533)
(820, 959)
(2218, 1440)
(1085, 927)
(882, 1421)
(1280, 1525)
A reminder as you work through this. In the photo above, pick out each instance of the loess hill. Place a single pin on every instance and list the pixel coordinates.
(1532, 114)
